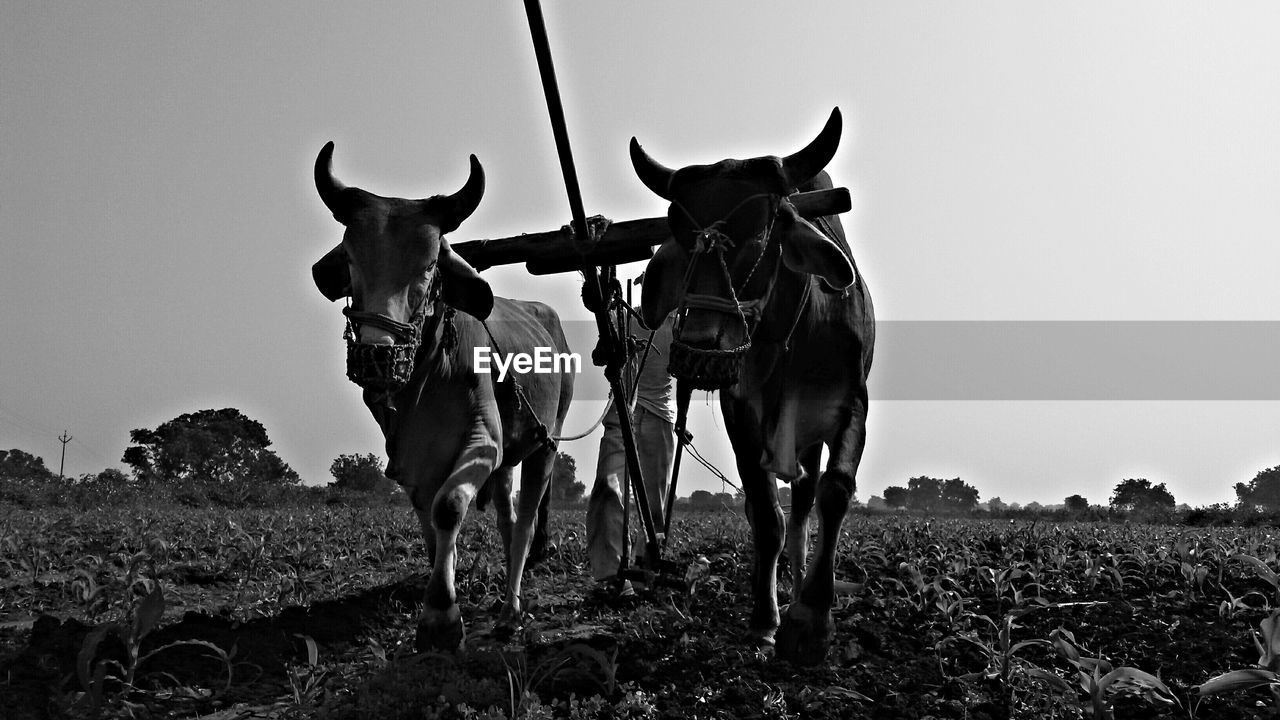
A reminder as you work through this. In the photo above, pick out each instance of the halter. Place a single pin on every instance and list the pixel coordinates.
(714, 369)
(388, 367)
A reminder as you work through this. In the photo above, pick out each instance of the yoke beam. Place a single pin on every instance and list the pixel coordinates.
(557, 251)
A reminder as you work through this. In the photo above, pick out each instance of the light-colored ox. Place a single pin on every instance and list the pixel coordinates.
(449, 430)
(774, 314)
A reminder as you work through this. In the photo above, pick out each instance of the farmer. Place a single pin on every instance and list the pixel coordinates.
(653, 422)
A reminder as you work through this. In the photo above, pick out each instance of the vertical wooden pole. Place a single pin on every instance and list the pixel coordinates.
(615, 350)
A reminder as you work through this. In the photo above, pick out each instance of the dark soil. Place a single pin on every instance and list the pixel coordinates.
(664, 652)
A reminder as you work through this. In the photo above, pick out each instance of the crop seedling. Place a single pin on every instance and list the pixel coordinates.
(96, 675)
(1101, 682)
(1267, 640)
(1264, 572)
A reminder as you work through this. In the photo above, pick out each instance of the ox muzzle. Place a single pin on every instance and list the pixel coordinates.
(707, 369)
(382, 367)
(717, 368)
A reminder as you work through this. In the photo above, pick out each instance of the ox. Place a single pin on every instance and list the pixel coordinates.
(773, 313)
(450, 431)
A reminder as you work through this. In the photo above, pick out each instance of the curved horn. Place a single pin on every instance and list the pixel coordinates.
(453, 209)
(329, 187)
(655, 176)
(802, 166)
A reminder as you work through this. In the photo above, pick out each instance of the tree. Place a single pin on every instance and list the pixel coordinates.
(996, 505)
(1140, 494)
(20, 465)
(702, 500)
(895, 496)
(934, 495)
(924, 493)
(1077, 504)
(959, 496)
(362, 473)
(565, 487)
(111, 476)
(209, 446)
(1263, 491)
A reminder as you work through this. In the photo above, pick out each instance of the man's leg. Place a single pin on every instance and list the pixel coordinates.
(604, 505)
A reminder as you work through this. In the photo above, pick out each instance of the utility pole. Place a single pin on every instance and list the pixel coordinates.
(65, 438)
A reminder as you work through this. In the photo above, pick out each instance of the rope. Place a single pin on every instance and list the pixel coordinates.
(568, 438)
(709, 466)
(524, 400)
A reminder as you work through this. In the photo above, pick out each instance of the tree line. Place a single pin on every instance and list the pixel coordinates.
(225, 457)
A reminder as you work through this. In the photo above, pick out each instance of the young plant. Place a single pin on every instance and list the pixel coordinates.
(1267, 640)
(1101, 682)
(96, 675)
(1263, 571)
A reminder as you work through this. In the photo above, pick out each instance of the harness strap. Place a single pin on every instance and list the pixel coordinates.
(542, 432)
(406, 332)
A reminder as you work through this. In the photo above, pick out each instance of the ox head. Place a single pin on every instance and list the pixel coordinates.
(396, 266)
(732, 232)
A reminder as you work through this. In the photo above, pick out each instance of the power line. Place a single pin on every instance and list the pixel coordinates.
(34, 430)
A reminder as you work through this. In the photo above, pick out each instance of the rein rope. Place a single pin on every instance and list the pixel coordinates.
(544, 435)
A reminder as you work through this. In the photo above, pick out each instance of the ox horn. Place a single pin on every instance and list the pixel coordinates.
(654, 175)
(329, 187)
(453, 209)
(802, 166)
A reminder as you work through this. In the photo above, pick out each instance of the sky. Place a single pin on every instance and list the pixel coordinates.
(1029, 162)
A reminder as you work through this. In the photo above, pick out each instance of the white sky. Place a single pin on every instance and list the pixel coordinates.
(1009, 160)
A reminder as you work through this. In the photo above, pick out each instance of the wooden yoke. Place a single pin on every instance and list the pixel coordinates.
(547, 253)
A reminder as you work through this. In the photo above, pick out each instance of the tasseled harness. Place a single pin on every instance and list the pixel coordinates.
(715, 369)
(385, 368)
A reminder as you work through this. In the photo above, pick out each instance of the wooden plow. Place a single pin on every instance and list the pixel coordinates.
(576, 248)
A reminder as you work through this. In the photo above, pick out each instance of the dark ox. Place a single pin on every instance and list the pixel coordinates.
(448, 430)
(772, 312)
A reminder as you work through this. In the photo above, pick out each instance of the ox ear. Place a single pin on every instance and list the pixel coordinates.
(662, 289)
(461, 286)
(331, 274)
(806, 249)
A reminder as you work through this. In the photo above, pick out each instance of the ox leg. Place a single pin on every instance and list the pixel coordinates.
(535, 481)
(538, 551)
(441, 626)
(805, 635)
(766, 519)
(421, 500)
(802, 489)
(500, 491)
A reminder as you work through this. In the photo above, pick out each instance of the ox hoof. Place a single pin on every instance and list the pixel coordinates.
(510, 619)
(761, 637)
(441, 630)
(805, 635)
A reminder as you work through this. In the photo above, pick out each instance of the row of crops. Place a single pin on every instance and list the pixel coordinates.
(981, 617)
